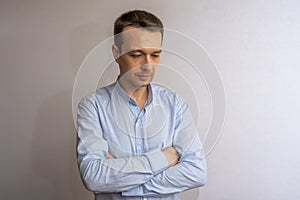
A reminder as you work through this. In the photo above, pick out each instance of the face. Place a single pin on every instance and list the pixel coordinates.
(139, 56)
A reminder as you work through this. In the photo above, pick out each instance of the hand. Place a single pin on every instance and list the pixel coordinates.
(109, 156)
(171, 155)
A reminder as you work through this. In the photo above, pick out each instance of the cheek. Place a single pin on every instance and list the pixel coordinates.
(127, 65)
(134, 63)
(155, 67)
(157, 60)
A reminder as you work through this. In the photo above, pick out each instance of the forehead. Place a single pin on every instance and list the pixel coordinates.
(139, 38)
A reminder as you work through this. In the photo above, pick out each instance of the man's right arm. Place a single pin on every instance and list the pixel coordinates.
(170, 153)
(101, 174)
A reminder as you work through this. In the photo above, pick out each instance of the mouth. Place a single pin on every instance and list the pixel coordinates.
(144, 76)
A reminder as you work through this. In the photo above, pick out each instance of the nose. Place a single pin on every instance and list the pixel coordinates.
(146, 67)
(148, 59)
(147, 64)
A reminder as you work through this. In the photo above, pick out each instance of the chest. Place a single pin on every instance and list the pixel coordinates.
(133, 131)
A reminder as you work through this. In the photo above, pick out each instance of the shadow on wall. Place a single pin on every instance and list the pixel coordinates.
(54, 140)
(83, 39)
(192, 194)
(53, 145)
(53, 148)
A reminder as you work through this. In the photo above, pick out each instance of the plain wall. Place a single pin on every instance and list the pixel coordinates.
(255, 45)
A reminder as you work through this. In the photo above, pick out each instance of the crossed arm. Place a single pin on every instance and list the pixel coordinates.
(170, 153)
(170, 170)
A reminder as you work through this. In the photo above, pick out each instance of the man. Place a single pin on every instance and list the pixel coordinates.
(137, 140)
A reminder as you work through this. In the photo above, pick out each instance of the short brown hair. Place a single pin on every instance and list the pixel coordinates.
(138, 19)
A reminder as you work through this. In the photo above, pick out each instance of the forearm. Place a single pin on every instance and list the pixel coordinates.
(101, 174)
(120, 174)
(187, 174)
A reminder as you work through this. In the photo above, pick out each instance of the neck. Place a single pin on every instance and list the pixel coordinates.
(139, 95)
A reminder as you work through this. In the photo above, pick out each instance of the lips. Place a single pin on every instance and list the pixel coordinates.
(143, 76)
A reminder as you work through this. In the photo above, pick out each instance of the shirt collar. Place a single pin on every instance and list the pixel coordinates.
(126, 97)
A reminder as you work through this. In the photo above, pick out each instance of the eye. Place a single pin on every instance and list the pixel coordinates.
(135, 55)
(155, 55)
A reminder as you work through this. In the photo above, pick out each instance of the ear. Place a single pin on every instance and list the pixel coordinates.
(116, 52)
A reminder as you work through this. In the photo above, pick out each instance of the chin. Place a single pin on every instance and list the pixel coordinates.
(143, 84)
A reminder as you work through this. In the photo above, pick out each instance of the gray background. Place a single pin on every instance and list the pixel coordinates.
(255, 45)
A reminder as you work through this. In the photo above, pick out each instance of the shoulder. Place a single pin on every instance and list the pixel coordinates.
(100, 95)
(165, 94)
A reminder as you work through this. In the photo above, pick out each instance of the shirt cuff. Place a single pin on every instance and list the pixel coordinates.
(158, 161)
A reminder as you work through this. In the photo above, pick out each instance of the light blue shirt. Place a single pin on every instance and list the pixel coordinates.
(110, 121)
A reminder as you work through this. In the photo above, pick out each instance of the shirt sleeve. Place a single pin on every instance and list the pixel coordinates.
(109, 175)
(189, 172)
